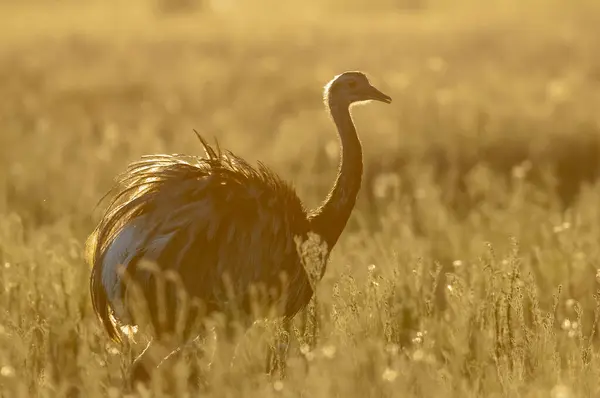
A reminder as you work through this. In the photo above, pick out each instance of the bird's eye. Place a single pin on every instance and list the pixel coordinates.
(352, 84)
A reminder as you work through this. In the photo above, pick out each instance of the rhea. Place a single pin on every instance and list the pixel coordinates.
(217, 219)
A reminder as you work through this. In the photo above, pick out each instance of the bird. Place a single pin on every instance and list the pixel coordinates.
(219, 224)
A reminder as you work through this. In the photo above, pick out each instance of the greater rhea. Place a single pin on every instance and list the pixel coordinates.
(218, 219)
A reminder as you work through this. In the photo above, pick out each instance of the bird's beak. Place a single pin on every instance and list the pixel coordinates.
(379, 96)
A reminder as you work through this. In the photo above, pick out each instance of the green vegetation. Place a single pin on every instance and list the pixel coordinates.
(469, 266)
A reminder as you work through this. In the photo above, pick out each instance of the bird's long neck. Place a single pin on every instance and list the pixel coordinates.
(329, 219)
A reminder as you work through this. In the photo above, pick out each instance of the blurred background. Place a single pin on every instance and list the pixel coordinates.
(494, 132)
(89, 86)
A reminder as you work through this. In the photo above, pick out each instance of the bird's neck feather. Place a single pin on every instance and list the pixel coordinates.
(329, 219)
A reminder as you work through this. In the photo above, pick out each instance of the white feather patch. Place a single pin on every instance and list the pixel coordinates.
(125, 246)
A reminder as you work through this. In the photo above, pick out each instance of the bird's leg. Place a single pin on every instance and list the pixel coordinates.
(277, 353)
(271, 358)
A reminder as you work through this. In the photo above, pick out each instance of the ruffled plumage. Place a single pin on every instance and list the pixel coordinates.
(202, 218)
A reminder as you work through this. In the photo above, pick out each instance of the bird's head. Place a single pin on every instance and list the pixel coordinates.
(352, 87)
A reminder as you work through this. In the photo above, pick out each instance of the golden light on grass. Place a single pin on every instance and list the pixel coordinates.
(480, 195)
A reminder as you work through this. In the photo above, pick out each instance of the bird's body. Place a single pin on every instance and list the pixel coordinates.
(182, 213)
(216, 219)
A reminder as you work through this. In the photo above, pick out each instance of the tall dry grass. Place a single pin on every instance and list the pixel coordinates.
(469, 266)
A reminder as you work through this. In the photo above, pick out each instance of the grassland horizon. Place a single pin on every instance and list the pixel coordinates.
(469, 266)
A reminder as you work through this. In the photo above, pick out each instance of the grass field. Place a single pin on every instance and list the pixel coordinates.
(469, 267)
